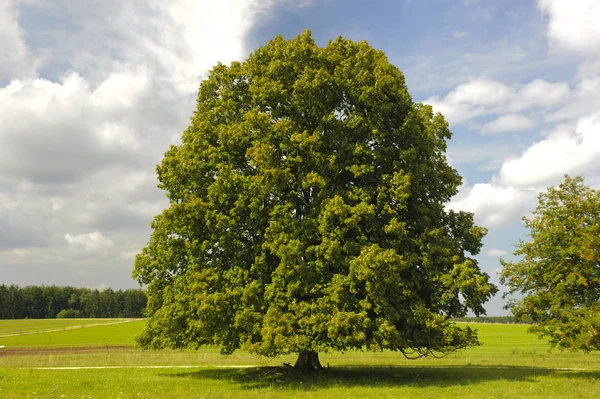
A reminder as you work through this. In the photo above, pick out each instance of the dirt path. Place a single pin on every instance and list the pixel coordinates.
(60, 350)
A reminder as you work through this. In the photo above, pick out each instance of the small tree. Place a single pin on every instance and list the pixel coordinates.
(68, 314)
(558, 275)
(307, 214)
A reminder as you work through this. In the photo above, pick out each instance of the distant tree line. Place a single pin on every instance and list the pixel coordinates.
(48, 302)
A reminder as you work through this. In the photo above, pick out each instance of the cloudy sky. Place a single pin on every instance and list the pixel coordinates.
(92, 94)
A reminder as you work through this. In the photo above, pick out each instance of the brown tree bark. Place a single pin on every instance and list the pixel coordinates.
(308, 360)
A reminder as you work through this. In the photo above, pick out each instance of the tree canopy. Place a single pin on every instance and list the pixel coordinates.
(307, 213)
(558, 276)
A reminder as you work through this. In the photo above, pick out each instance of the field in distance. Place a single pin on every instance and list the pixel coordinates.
(10, 328)
(98, 359)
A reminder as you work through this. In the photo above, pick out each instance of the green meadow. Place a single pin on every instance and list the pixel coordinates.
(114, 333)
(98, 359)
(23, 327)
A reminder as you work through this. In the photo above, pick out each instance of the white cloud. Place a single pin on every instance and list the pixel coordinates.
(180, 39)
(508, 123)
(59, 131)
(574, 25)
(512, 193)
(481, 91)
(539, 93)
(79, 142)
(483, 96)
(569, 149)
(190, 55)
(494, 205)
(121, 89)
(90, 242)
(15, 58)
(584, 99)
(496, 252)
(564, 151)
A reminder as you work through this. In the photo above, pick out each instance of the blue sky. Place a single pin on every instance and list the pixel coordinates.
(92, 94)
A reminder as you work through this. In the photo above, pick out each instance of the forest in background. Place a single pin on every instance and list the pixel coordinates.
(49, 302)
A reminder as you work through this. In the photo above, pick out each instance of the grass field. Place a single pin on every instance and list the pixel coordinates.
(100, 361)
(115, 333)
(21, 327)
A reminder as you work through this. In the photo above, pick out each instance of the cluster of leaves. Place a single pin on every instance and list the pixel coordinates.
(307, 213)
(558, 275)
(42, 302)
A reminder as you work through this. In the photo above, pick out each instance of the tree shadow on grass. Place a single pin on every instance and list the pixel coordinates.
(378, 376)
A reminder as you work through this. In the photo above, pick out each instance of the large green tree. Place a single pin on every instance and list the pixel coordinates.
(557, 280)
(307, 214)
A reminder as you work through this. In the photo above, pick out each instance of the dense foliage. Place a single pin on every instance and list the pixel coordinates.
(307, 213)
(43, 302)
(558, 275)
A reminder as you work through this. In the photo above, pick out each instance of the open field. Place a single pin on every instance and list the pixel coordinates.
(101, 362)
(116, 333)
(23, 327)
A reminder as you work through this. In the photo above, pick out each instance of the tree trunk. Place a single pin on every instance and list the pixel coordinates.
(308, 360)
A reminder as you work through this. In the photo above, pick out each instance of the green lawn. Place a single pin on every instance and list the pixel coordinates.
(364, 382)
(509, 364)
(13, 327)
(103, 333)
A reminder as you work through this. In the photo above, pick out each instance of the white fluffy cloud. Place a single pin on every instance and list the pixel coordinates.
(573, 25)
(570, 149)
(178, 39)
(568, 120)
(508, 123)
(204, 32)
(584, 99)
(483, 96)
(15, 58)
(82, 129)
(90, 242)
(494, 205)
(565, 151)
(58, 131)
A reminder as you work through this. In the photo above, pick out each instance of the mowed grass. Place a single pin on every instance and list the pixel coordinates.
(342, 382)
(509, 364)
(114, 332)
(20, 327)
